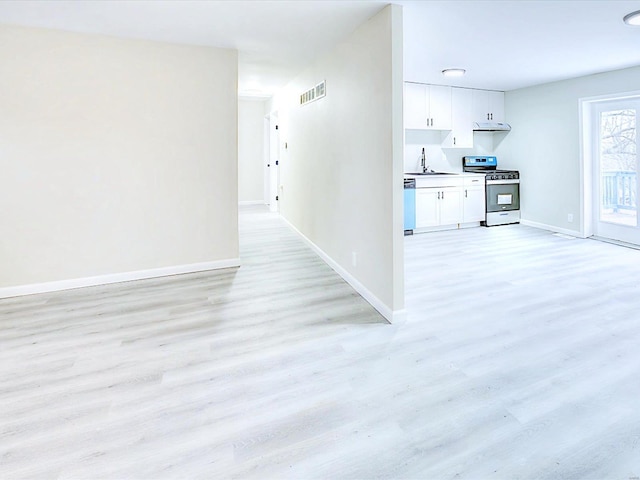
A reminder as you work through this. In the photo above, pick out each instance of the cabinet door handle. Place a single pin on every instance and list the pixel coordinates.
(454, 140)
(465, 193)
(492, 116)
(488, 117)
(438, 195)
(442, 196)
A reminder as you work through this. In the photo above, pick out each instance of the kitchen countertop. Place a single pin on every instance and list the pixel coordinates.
(454, 179)
(448, 174)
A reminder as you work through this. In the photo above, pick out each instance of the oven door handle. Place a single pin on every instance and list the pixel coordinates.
(506, 181)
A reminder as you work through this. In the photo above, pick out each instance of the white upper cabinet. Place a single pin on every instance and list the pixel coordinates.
(440, 107)
(416, 98)
(461, 134)
(488, 106)
(427, 107)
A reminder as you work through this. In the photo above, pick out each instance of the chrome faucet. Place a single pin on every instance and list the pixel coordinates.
(423, 162)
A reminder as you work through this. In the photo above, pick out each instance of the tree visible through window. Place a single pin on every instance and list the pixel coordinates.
(618, 140)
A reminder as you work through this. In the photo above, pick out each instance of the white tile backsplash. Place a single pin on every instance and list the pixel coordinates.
(439, 159)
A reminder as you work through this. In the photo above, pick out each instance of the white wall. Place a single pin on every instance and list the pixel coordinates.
(342, 171)
(251, 151)
(116, 155)
(544, 144)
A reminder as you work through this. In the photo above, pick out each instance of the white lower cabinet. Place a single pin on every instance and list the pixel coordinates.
(473, 200)
(427, 207)
(449, 201)
(473, 205)
(438, 206)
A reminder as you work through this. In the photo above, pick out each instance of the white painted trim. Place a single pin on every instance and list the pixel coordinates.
(398, 316)
(616, 242)
(392, 316)
(115, 278)
(551, 228)
(251, 202)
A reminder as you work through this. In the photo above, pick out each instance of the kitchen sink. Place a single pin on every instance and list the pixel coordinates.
(431, 173)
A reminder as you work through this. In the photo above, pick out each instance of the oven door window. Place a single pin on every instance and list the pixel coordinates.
(503, 197)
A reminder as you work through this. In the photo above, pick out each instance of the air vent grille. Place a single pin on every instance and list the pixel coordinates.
(314, 93)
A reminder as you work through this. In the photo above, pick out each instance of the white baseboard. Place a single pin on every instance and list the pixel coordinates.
(251, 202)
(115, 278)
(551, 228)
(392, 316)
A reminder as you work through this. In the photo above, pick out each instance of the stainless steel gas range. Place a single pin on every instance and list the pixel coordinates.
(502, 190)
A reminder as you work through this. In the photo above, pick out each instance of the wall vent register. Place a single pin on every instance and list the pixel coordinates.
(314, 93)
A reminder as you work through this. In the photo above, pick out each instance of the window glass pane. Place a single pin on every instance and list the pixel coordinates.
(618, 164)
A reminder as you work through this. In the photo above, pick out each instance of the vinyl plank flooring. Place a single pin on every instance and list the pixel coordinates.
(518, 360)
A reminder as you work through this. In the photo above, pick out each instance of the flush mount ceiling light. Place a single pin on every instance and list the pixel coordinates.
(453, 72)
(633, 18)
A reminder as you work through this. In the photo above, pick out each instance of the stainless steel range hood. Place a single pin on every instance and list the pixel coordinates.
(491, 127)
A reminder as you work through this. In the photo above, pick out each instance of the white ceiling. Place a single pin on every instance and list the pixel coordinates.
(503, 44)
(511, 44)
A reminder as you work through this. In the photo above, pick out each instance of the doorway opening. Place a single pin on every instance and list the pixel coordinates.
(611, 157)
(272, 172)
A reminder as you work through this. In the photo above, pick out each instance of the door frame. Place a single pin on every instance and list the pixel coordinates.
(271, 161)
(265, 160)
(586, 109)
(604, 229)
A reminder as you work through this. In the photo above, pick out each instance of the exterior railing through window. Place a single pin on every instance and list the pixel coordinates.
(619, 190)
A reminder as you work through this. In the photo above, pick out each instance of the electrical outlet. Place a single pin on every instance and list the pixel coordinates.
(570, 217)
(354, 259)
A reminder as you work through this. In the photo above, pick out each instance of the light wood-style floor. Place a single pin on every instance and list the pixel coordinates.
(520, 358)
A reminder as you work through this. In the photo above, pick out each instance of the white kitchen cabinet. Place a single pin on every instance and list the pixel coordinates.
(440, 107)
(450, 206)
(461, 134)
(416, 98)
(427, 207)
(473, 199)
(427, 107)
(488, 106)
(448, 201)
(438, 206)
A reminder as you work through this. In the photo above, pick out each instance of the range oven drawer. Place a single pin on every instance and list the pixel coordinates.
(502, 218)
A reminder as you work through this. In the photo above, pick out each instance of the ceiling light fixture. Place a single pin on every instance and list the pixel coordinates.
(632, 18)
(453, 72)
